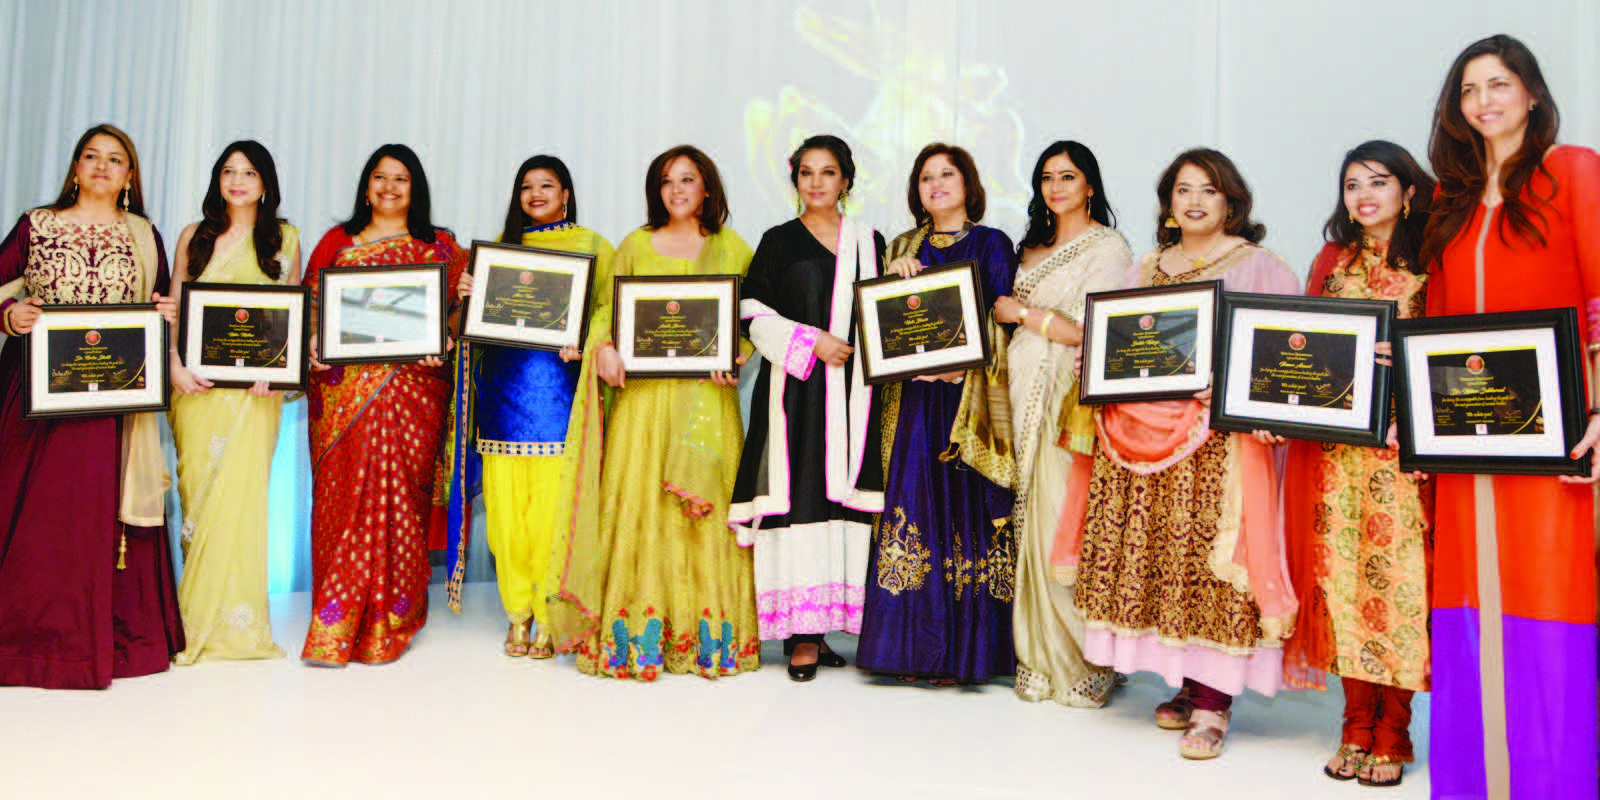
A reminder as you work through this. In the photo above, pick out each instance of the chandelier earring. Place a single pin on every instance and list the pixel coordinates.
(74, 188)
(1405, 209)
(1172, 222)
(126, 192)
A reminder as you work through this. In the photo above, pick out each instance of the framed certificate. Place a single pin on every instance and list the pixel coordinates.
(1491, 393)
(1152, 343)
(96, 360)
(929, 323)
(667, 326)
(369, 315)
(236, 334)
(1302, 367)
(528, 297)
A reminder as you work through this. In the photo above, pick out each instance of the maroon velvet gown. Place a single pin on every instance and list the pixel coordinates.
(69, 619)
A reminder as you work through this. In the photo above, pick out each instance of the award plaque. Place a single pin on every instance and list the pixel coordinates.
(1302, 367)
(930, 323)
(528, 297)
(668, 326)
(1152, 343)
(237, 334)
(370, 315)
(1491, 393)
(96, 360)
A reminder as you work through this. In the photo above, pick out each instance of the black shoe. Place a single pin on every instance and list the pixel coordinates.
(828, 658)
(800, 673)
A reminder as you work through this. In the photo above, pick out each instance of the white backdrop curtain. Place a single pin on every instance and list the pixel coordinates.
(475, 86)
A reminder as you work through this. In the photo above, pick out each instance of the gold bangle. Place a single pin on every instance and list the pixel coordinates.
(1044, 327)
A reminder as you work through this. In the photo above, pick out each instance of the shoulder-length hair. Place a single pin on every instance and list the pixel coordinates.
(1459, 156)
(1222, 173)
(1041, 220)
(971, 184)
(69, 190)
(419, 218)
(1405, 245)
(267, 235)
(516, 218)
(713, 210)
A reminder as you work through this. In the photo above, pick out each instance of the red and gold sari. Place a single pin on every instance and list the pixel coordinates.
(376, 435)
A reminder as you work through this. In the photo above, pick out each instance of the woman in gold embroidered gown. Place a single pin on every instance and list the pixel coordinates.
(1359, 529)
(225, 437)
(656, 582)
(1071, 248)
(1180, 570)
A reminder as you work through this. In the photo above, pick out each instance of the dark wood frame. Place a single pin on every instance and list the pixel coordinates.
(1570, 392)
(730, 323)
(976, 328)
(476, 298)
(1085, 397)
(301, 369)
(1377, 429)
(444, 312)
(157, 363)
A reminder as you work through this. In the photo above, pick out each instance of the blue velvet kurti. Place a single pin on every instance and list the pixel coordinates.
(942, 572)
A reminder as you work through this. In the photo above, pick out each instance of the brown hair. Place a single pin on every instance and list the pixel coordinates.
(713, 210)
(69, 191)
(1459, 157)
(971, 185)
(1219, 169)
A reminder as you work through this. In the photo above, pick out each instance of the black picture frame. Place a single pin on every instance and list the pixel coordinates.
(154, 395)
(198, 296)
(1423, 348)
(1361, 324)
(1096, 386)
(334, 351)
(630, 290)
(576, 328)
(958, 282)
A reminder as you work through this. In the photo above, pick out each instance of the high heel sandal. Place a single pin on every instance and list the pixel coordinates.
(516, 644)
(543, 647)
(1174, 714)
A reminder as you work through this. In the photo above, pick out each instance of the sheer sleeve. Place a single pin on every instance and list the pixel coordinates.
(13, 262)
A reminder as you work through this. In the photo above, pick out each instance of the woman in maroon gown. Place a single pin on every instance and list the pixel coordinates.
(86, 589)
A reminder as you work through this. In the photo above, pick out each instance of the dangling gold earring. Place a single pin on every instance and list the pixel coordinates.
(126, 191)
(74, 188)
(1172, 222)
(843, 196)
(1405, 209)
(1351, 216)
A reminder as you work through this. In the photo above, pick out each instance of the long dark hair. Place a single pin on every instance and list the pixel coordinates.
(69, 190)
(1406, 243)
(971, 185)
(1460, 158)
(1041, 220)
(267, 235)
(516, 218)
(713, 210)
(1223, 175)
(419, 219)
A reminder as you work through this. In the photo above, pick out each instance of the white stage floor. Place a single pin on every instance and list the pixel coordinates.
(456, 719)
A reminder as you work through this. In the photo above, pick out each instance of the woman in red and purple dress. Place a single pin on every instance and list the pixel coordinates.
(376, 435)
(1513, 229)
(86, 587)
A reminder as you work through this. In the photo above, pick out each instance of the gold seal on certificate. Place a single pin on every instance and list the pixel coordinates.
(676, 327)
(379, 314)
(1302, 367)
(96, 360)
(527, 297)
(235, 335)
(1491, 393)
(927, 324)
(1151, 343)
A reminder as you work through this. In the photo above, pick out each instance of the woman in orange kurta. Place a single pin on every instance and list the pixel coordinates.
(376, 435)
(1359, 530)
(1514, 228)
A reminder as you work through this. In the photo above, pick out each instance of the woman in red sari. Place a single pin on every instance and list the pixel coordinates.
(376, 434)
(1513, 229)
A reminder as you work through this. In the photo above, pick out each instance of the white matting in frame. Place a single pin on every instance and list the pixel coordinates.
(1199, 302)
(969, 350)
(510, 286)
(285, 308)
(138, 332)
(1241, 346)
(719, 353)
(1541, 342)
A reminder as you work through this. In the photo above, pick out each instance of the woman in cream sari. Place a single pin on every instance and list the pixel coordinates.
(1070, 249)
(225, 437)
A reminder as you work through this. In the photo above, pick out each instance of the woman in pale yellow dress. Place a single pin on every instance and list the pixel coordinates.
(225, 437)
